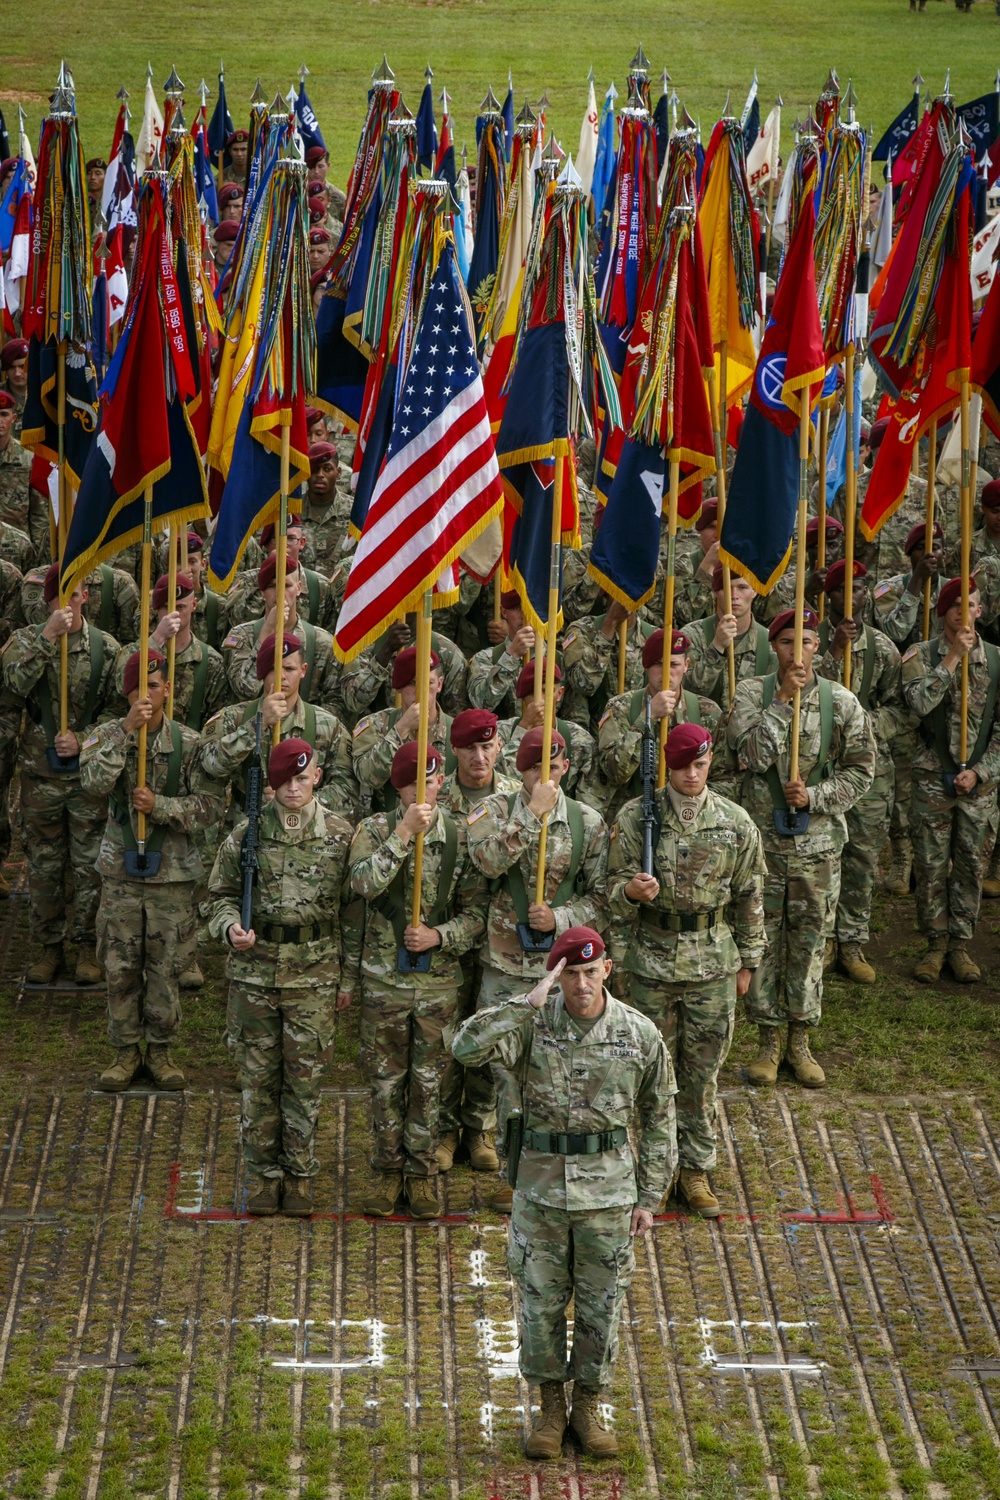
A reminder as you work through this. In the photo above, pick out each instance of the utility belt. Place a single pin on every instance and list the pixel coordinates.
(681, 921)
(308, 932)
(575, 1145)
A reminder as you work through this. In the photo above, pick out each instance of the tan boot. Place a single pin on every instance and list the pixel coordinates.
(897, 877)
(191, 978)
(829, 955)
(962, 966)
(128, 1061)
(801, 1061)
(383, 1195)
(422, 1196)
(297, 1197)
(991, 885)
(447, 1146)
(700, 1199)
(502, 1201)
(88, 970)
(928, 969)
(546, 1435)
(855, 965)
(764, 1068)
(265, 1201)
(482, 1152)
(586, 1423)
(166, 1073)
(45, 969)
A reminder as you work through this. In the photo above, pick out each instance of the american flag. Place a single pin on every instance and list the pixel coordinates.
(439, 486)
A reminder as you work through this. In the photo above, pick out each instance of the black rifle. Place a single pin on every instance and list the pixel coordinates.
(648, 758)
(251, 838)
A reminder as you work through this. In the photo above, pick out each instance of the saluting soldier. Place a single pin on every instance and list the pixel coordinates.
(587, 1068)
(377, 738)
(709, 640)
(695, 935)
(803, 827)
(289, 973)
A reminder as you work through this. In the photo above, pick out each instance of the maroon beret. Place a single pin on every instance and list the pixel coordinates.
(268, 570)
(836, 573)
(951, 593)
(267, 534)
(319, 236)
(228, 191)
(237, 136)
(473, 726)
(194, 542)
(652, 651)
(989, 500)
(50, 588)
(316, 154)
(286, 760)
(810, 621)
(916, 535)
(529, 751)
(685, 744)
(404, 764)
(7, 402)
(313, 415)
(709, 515)
(319, 453)
(404, 668)
(265, 653)
(155, 662)
(577, 945)
(12, 351)
(226, 232)
(833, 528)
(161, 589)
(95, 161)
(525, 684)
(877, 432)
(510, 599)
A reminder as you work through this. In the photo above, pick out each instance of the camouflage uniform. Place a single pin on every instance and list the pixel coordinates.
(619, 747)
(11, 611)
(900, 615)
(569, 1232)
(693, 596)
(215, 689)
(239, 657)
(11, 708)
(209, 619)
(580, 591)
(315, 603)
(580, 748)
(950, 834)
(492, 678)
(62, 821)
(112, 601)
(324, 529)
(590, 667)
(145, 927)
(454, 623)
(15, 470)
(408, 1018)
(283, 990)
(16, 547)
(684, 949)
(375, 741)
(708, 671)
(803, 872)
(366, 684)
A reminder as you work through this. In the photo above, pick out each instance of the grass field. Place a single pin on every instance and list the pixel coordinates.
(708, 46)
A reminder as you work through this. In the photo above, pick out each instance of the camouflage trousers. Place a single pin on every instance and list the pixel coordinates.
(277, 1038)
(468, 1095)
(800, 906)
(867, 826)
(142, 930)
(8, 765)
(950, 836)
(62, 832)
(903, 747)
(555, 1255)
(695, 1020)
(406, 1037)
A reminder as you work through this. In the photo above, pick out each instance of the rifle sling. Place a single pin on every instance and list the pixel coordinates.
(42, 701)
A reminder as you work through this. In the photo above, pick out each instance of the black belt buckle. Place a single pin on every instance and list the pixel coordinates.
(58, 762)
(140, 866)
(532, 941)
(789, 821)
(413, 963)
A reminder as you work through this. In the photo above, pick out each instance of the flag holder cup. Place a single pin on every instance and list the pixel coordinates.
(789, 821)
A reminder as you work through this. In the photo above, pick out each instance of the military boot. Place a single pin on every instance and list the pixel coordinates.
(586, 1423)
(546, 1435)
(991, 884)
(297, 1197)
(447, 1146)
(166, 1073)
(698, 1194)
(88, 970)
(191, 978)
(962, 966)
(128, 1061)
(829, 955)
(764, 1068)
(383, 1195)
(801, 1061)
(928, 969)
(45, 969)
(422, 1196)
(482, 1152)
(265, 1200)
(502, 1201)
(855, 965)
(897, 877)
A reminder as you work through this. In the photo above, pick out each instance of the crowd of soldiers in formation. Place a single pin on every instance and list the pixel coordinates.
(469, 1021)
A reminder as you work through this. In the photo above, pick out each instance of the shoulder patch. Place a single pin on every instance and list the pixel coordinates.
(882, 588)
(214, 718)
(36, 575)
(908, 655)
(569, 639)
(361, 726)
(91, 741)
(336, 572)
(476, 813)
(231, 640)
(605, 716)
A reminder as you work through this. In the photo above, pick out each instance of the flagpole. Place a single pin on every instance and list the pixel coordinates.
(929, 522)
(718, 431)
(555, 565)
(497, 590)
(281, 562)
(966, 524)
(538, 687)
(174, 542)
(147, 551)
(423, 680)
(622, 646)
(824, 438)
(800, 573)
(63, 528)
(668, 607)
(850, 506)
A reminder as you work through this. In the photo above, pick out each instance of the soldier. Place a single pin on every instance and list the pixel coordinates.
(366, 682)
(953, 805)
(16, 548)
(239, 649)
(877, 683)
(986, 541)
(411, 976)
(588, 1067)
(708, 651)
(236, 151)
(146, 919)
(230, 203)
(695, 561)
(695, 935)
(230, 738)
(199, 681)
(590, 659)
(377, 738)
(782, 596)
(579, 743)
(222, 239)
(320, 248)
(62, 821)
(15, 471)
(326, 510)
(14, 370)
(208, 622)
(289, 973)
(112, 600)
(96, 170)
(493, 672)
(803, 828)
(315, 599)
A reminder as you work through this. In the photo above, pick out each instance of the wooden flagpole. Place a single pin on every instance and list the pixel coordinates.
(144, 591)
(174, 543)
(423, 680)
(824, 439)
(63, 529)
(281, 562)
(548, 719)
(719, 417)
(966, 524)
(929, 521)
(800, 572)
(850, 506)
(668, 606)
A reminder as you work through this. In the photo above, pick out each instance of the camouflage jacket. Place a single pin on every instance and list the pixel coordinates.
(927, 684)
(376, 739)
(109, 766)
(31, 669)
(229, 738)
(245, 601)
(11, 613)
(580, 748)
(608, 1078)
(378, 854)
(16, 547)
(186, 663)
(492, 678)
(590, 662)
(498, 839)
(761, 738)
(326, 538)
(301, 882)
(713, 863)
(209, 619)
(239, 658)
(15, 470)
(112, 601)
(693, 596)
(459, 800)
(619, 746)
(580, 591)
(708, 671)
(366, 684)
(883, 702)
(900, 614)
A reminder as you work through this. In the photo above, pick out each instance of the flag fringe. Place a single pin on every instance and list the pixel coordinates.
(611, 588)
(736, 566)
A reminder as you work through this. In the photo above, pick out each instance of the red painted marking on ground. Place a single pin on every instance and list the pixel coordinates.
(848, 1213)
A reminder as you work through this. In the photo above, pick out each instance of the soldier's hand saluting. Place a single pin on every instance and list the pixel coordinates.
(538, 996)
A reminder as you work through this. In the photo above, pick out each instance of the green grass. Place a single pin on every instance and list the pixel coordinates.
(709, 47)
